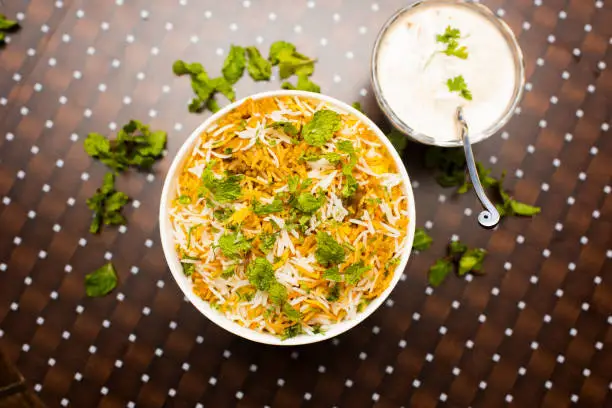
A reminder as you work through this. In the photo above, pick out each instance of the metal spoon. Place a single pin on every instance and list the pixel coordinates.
(489, 217)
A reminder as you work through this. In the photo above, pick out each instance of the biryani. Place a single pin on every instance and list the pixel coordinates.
(289, 216)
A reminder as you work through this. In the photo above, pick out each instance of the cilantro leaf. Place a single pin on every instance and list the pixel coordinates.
(287, 127)
(457, 84)
(188, 268)
(291, 331)
(135, 145)
(259, 68)
(234, 64)
(450, 38)
(471, 260)
(350, 186)
(182, 68)
(439, 271)
(334, 293)
(291, 312)
(228, 272)
(303, 84)
(355, 272)
(398, 140)
(223, 190)
(307, 202)
(260, 274)
(332, 157)
(422, 240)
(277, 293)
(101, 282)
(328, 250)
(106, 204)
(267, 242)
(263, 209)
(234, 245)
(332, 274)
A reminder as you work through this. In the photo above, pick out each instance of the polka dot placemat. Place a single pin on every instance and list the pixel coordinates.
(535, 330)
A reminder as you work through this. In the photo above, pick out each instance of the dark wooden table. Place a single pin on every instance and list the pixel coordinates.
(535, 330)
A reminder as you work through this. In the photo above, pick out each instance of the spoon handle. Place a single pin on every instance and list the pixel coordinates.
(489, 217)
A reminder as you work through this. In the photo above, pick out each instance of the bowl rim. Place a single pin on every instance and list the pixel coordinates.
(172, 259)
(515, 49)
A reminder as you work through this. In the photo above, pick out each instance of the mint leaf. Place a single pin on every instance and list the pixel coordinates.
(260, 274)
(332, 274)
(398, 140)
(259, 68)
(321, 127)
(234, 64)
(456, 248)
(308, 203)
(328, 250)
(223, 190)
(471, 260)
(303, 84)
(439, 271)
(263, 209)
(287, 127)
(101, 282)
(234, 245)
(422, 240)
(106, 204)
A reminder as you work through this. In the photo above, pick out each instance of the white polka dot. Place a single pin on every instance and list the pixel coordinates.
(601, 65)
(272, 16)
(526, 25)
(568, 137)
(116, 63)
(297, 29)
(562, 14)
(605, 127)
(323, 42)
(576, 52)
(208, 14)
(375, 7)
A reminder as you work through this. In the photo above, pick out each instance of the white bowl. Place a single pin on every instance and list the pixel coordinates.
(172, 258)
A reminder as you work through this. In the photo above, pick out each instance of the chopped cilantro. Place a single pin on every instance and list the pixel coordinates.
(261, 274)
(332, 274)
(234, 245)
(287, 127)
(291, 331)
(234, 64)
(321, 127)
(189, 232)
(135, 146)
(188, 268)
(457, 84)
(184, 199)
(439, 271)
(334, 293)
(355, 272)
(450, 39)
(205, 88)
(263, 209)
(316, 329)
(332, 157)
(101, 282)
(228, 150)
(228, 272)
(307, 202)
(267, 242)
(291, 312)
(222, 214)
(259, 68)
(328, 250)
(223, 190)
(357, 105)
(106, 204)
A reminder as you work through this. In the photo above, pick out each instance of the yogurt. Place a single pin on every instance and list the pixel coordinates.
(412, 72)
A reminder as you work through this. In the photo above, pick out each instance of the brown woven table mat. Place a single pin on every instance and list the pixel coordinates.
(535, 330)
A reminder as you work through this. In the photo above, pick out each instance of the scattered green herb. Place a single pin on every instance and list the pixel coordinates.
(457, 84)
(6, 26)
(321, 127)
(101, 282)
(234, 245)
(259, 68)
(263, 209)
(234, 64)
(328, 250)
(450, 38)
(467, 260)
(135, 146)
(422, 240)
(106, 204)
(224, 189)
(287, 127)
